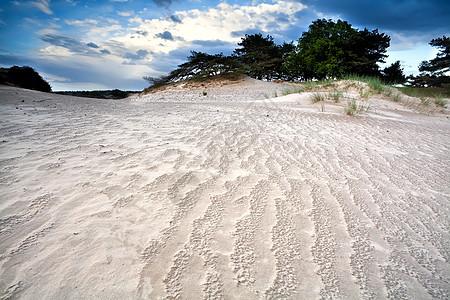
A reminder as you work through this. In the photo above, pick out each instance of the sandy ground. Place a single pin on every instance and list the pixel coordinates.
(233, 195)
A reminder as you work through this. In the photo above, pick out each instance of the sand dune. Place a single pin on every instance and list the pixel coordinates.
(232, 195)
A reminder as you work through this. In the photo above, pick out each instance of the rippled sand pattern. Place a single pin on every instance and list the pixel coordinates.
(220, 198)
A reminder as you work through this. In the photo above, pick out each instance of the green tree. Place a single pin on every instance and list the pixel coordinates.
(263, 58)
(334, 49)
(434, 72)
(365, 50)
(200, 65)
(394, 73)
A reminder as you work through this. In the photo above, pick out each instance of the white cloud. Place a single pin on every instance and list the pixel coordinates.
(222, 22)
(72, 2)
(33, 21)
(46, 31)
(112, 21)
(85, 22)
(43, 5)
(125, 13)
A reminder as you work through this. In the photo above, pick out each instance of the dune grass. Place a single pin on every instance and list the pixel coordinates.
(317, 97)
(335, 95)
(430, 92)
(355, 107)
(292, 90)
(376, 84)
(440, 101)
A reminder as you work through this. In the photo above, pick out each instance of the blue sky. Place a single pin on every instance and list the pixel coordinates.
(107, 44)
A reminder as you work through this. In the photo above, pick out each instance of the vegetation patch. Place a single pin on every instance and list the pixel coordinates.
(354, 107)
(294, 89)
(440, 101)
(317, 97)
(335, 95)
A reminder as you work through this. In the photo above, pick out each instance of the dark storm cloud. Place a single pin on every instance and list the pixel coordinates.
(401, 15)
(163, 3)
(92, 45)
(166, 35)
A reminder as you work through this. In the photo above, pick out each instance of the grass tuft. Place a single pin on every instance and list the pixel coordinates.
(350, 110)
(292, 90)
(317, 97)
(364, 93)
(354, 107)
(335, 95)
(397, 97)
(440, 101)
(322, 107)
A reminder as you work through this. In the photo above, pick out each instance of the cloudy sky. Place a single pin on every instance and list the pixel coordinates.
(108, 44)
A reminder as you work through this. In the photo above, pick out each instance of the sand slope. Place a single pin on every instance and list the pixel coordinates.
(232, 195)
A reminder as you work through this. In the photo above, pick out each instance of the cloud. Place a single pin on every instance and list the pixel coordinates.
(85, 22)
(92, 45)
(33, 21)
(141, 32)
(125, 13)
(175, 19)
(163, 3)
(224, 20)
(46, 31)
(72, 2)
(68, 43)
(408, 16)
(140, 55)
(104, 51)
(65, 42)
(212, 44)
(166, 35)
(43, 5)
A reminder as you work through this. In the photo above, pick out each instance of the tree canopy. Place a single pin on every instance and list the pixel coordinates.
(334, 49)
(435, 72)
(201, 65)
(262, 56)
(394, 73)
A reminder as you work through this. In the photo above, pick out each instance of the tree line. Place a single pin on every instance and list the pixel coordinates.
(327, 50)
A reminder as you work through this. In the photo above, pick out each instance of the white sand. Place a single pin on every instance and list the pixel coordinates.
(229, 195)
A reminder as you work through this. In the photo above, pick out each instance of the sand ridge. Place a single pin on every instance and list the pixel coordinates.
(235, 194)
